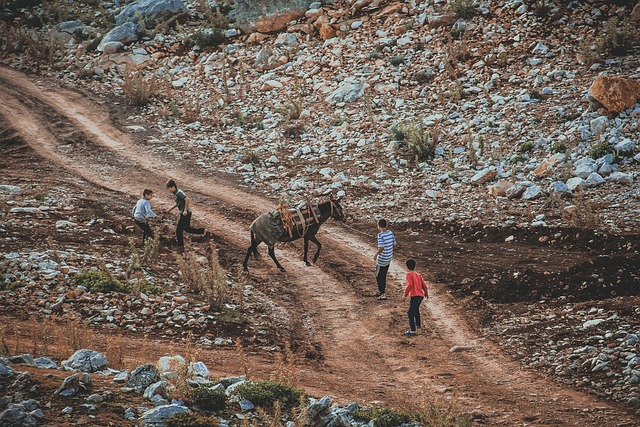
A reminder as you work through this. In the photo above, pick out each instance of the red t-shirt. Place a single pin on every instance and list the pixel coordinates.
(416, 286)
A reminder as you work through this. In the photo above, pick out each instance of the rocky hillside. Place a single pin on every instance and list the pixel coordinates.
(454, 111)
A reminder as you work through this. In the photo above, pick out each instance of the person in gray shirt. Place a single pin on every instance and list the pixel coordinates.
(142, 213)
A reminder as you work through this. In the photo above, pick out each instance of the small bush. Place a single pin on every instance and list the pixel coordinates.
(421, 142)
(525, 147)
(618, 37)
(424, 76)
(462, 8)
(397, 133)
(138, 89)
(208, 37)
(251, 156)
(517, 159)
(559, 147)
(191, 419)
(601, 149)
(151, 247)
(266, 393)
(207, 399)
(382, 417)
(99, 281)
(11, 286)
(397, 60)
(211, 283)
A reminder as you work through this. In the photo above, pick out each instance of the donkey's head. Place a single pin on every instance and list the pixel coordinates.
(336, 210)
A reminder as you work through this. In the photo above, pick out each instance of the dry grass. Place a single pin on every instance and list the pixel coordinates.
(286, 372)
(191, 111)
(242, 359)
(209, 282)
(139, 89)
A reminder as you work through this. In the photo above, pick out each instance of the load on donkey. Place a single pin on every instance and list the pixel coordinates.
(286, 225)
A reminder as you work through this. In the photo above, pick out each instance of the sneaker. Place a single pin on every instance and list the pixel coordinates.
(381, 297)
(180, 249)
(410, 333)
(377, 294)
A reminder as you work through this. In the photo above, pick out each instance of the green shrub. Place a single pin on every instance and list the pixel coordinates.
(525, 147)
(99, 281)
(4, 286)
(208, 37)
(397, 60)
(421, 142)
(462, 8)
(397, 133)
(618, 37)
(266, 393)
(601, 149)
(191, 419)
(559, 147)
(382, 417)
(207, 398)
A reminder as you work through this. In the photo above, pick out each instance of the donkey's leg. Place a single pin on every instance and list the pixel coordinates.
(272, 254)
(306, 251)
(246, 258)
(317, 254)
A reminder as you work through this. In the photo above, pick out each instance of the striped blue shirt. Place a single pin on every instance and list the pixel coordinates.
(386, 240)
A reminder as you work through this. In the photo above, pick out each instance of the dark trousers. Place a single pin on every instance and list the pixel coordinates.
(147, 232)
(381, 277)
(414, 313)
(184, 224)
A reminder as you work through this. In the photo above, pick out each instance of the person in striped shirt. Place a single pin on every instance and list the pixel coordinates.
(386, 243)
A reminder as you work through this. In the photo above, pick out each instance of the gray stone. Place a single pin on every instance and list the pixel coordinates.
(45, 363)
(25, 210)
(130, 414)
(156, 389)
(112, 47)
(6, 370)
(199, 369)
(606, 169)
(540, 49)
(532, 193)
(559, 188)
(85, 361)
(10, 189)
(22, 359)
(155, 417)
(346, 92)
(125, 33)
(318, 407)
(598, 125)
(121, 377)
(268, 15)
(593, 180)
(246, 405)
(517, 189)
(151, 12)
(95, 398)
(585, 168)
(575, 183)
(591, 323)
(70, 386)
(286, 39)
(625, 146)
(67, 410)
(142, 377)
(16, 416)
(620, 178)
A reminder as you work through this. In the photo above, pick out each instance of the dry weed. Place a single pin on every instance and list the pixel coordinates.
(139, 89)
(242, 358)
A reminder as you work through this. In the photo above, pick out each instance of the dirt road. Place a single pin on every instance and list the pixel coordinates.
(362, 353)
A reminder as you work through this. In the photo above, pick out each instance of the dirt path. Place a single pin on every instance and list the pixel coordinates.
(364, 356)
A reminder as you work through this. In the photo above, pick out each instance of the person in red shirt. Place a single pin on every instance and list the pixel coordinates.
(417, 290)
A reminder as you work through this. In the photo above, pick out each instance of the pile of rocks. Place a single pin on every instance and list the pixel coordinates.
(587, 347)
(155, 383)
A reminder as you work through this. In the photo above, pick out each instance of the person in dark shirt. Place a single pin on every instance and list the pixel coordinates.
(183, 203)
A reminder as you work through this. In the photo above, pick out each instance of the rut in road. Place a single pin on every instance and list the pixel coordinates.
(362, 349)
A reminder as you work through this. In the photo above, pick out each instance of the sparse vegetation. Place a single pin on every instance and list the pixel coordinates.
(207, 398)
(601, 149)
(618, 37)
(526, 147)
(99, 281)
(191, 419)
(139, 89)
(266, 393)
(422, 142)
(209, 282)
(559, 147)
(11, 286)
(397, 60)
(462, 8)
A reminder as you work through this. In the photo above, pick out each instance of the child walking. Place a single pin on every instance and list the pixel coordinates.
(417, 290)
(383, 257)
(183, 203)
(142, 212)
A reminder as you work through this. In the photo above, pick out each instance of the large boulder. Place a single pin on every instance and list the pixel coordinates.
(156, 417)
(142, 377)
(125, 34)
(268, 16)
(85, 361)
(615, 93)
(150, 12)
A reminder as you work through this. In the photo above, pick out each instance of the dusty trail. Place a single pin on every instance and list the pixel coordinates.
(365, 357)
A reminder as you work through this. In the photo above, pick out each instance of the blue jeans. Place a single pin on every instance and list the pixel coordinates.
(414, 313)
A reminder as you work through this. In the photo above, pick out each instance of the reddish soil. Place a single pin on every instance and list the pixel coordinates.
(348, 345)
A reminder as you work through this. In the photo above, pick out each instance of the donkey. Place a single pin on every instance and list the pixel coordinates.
(260, 232)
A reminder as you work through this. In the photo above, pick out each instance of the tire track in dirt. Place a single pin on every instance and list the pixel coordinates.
(359, 342)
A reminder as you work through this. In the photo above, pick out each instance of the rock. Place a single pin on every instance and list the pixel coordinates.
(155, 417)
(156, 389)
(151, 12)
(10, 189)
(121, 377)
(70, 386)
(620, 178)
(16, 416)
(559, 189)
(545, 169)
(318, 407)
(25, 210)
(598, 125)
(199, 369)
(615, 93)
(346, 92)
(112, 47)
(593, 180)
(625, 146)
(591, 323)
(540, 49)
(85, 361)
(445, 20)
(532, 193)
(460, 348)
(125, 34)
(517, 189)
(22, 359)
(286, 39)
(270, 85)
(268, 16)
(326, 31)
(575, 184)
(585, 168)
(65, 224)
(246, 405)
(268, 59)
(6, 371)
(171, 364)
(142, 377)
(483, 176)
(95, 398)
